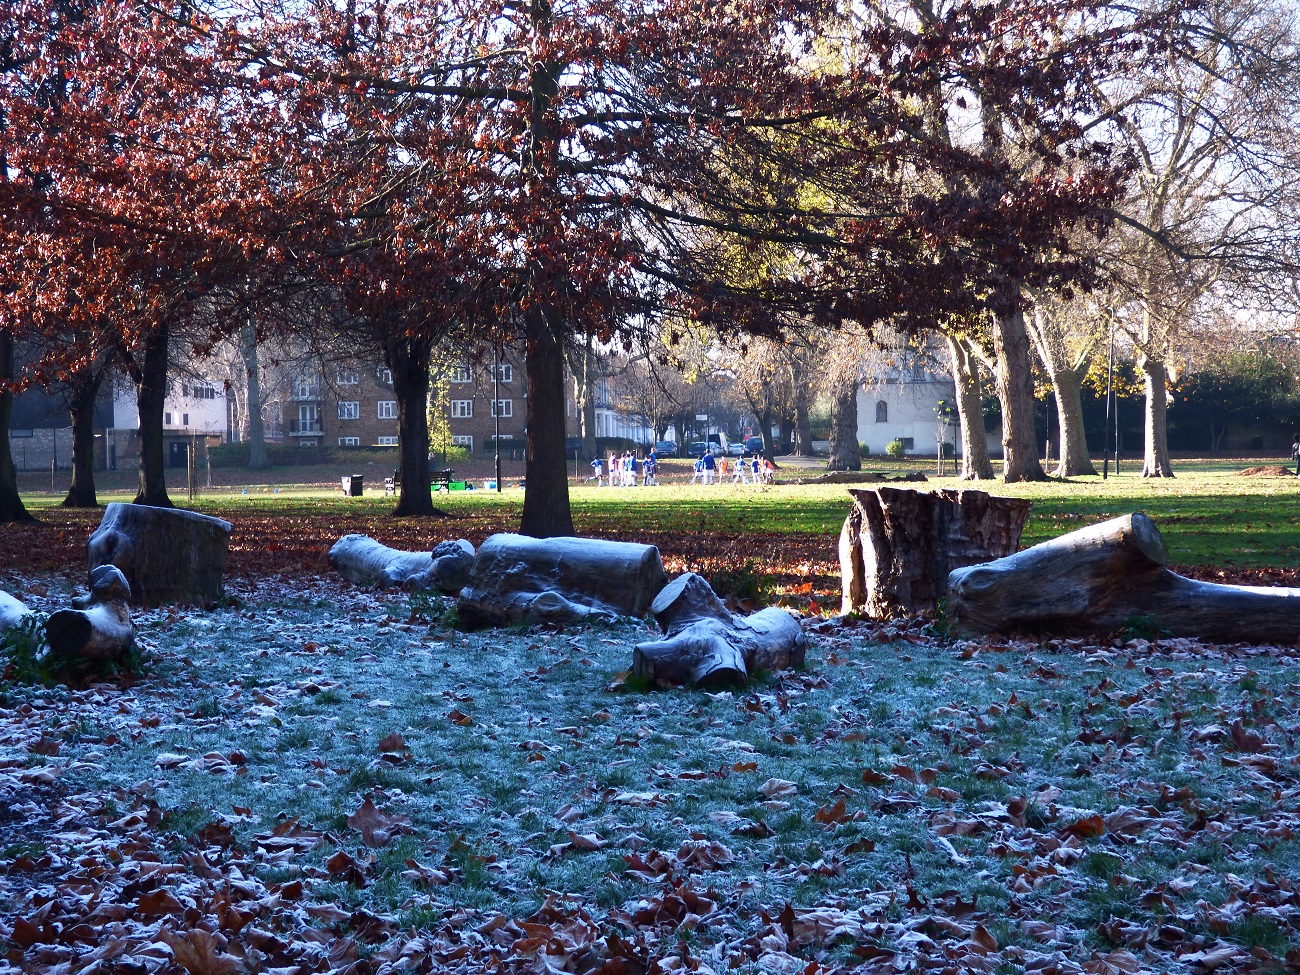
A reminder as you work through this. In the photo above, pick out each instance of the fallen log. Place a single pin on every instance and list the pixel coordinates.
(1110, 576)
(12, 612)
(706, 645)
(898, 545)
(168, 555)
(517, 578)
(98, 628)
(366, 562)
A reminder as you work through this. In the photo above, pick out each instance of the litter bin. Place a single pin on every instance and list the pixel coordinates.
(352, 485)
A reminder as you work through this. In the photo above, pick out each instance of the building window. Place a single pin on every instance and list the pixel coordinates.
(882, 412)
(305, 389)
(349, 441)
(909, 443)
(185, 419)
(505, 372)
(503, 407)
(350, 410)
(198, 390)
(463, 440)
(347, 377)
(385, 375)
(388, 409)
(462, 408)
(388, 441)
(461, 374)
(167, 419)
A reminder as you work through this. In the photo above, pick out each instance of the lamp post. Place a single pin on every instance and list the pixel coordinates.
(496, 409)
(1110, 379)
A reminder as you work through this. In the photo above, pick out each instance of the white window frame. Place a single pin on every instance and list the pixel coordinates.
(350, 409)
(462, 374)
(349, 441)
(385, 375)
(506, 406)
(506, 370)
(463, 440)
(387, 409)
(347, 377)
(462, 409)
(386, 441)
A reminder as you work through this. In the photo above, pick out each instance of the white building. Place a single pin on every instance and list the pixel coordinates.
(194, 409)
(903, 406)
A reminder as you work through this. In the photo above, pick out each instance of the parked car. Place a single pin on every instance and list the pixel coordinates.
(666, 448)
(697, 448)
(754, 445)
(736, 448)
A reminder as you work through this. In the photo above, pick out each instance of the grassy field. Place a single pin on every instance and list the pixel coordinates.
(318, 778)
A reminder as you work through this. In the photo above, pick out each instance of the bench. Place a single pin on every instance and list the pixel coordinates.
(438, 480)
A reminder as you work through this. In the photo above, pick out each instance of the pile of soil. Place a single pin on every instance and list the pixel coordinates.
(1275, 470)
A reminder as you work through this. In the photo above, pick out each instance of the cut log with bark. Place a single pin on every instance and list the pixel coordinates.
(366, 562)
(98, 628)
(167, 555)
(12, 612)
(1109, 577)
(897, 545)
(706, 645)
(518, 578)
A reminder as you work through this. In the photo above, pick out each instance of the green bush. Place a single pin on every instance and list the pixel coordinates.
(895, 448)
(291, 455)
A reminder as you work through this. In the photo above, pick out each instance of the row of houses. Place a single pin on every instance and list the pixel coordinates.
(344, 406)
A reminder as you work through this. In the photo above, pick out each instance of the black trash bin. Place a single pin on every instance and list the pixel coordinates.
(352, 485)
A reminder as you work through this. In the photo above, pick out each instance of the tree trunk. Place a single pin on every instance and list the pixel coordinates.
(705, 645)
(366, 562)
(564, 580)
(1109, 577)
(1155, 462)
(408, 360)
(975, 463)
(846, 455)
(151, 397)
(83, 390)
(253, 396)
(167, 556)
(803, 445)
(769, 449)
(546, 494)
(897, 545)
(1067, 383)
(11, 505)
(1014, 377)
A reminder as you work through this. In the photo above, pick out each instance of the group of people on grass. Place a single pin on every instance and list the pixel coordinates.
(624, 470)
(709, 469)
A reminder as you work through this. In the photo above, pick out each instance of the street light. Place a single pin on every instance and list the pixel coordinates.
(496, 408)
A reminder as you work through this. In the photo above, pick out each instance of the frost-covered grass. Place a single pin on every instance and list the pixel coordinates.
(1087, 785)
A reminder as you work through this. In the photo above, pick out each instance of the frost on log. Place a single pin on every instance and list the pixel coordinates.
(98, 628)
(1109, 576)
(706, 645)
(518, 578)
(167, 555)
(12, 612)
(898, 545)
(366, 562)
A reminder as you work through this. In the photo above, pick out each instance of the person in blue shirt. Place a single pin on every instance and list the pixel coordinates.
(651, 468)
(598, 470)
(710, 465)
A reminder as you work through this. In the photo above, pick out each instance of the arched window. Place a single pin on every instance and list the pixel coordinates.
(882, 412)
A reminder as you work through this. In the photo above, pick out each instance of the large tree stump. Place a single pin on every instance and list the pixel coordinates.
(366, 562)
(167, 555)
(518, 578)
(898, 545)
(1109, 576)
(98, 628)
(706, 645)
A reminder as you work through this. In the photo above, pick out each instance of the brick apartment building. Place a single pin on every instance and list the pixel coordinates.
(345, 406)
(475, 403)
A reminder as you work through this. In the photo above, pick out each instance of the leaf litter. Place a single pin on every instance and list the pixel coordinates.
(316, 778)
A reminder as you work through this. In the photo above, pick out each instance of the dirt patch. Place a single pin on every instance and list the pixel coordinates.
(1273, 470)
